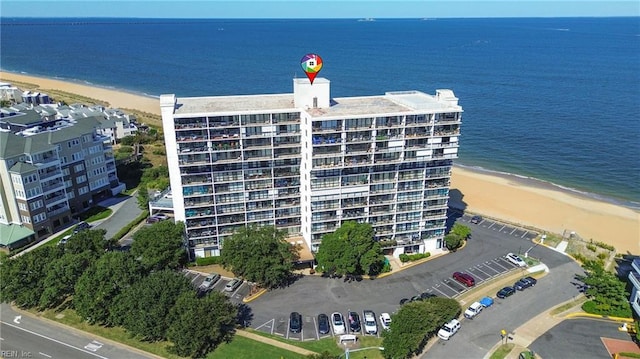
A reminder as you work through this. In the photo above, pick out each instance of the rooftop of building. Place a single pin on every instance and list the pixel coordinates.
(13, 233)
(389, 103)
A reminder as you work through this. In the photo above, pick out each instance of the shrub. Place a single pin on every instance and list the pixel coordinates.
(605, 246)
(605, 310)
(159, 152)
(205, 261)
(579, 257)
(628, 355)
(404, 258)
(602, 256)
(125, 149)
(415, 257)
(386, 267)
(591, 247)
(124, 230)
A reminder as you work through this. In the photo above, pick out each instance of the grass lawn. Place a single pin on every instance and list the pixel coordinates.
(330, 345)
(502, 351)
(55, 241)
(242, 347)
(95, 213)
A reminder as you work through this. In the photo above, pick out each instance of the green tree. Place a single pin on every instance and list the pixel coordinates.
(92, 240)
(61, 276)
(324, 355)
(102, 282)
(414, 324)
(452, 241)
(160, 246)
(156, 177)
(260, 255)
(461, 230)
(351, 249)
(22, 280)
(143, 197)
(607, 293)
(142, 308)
(198, 326)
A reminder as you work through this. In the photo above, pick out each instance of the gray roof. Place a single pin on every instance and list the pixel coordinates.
(12, 145)
(22, 168)
(27, 117)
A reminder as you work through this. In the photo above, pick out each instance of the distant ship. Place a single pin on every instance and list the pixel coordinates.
(367, 19)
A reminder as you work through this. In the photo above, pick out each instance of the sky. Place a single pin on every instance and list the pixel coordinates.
(317, 8)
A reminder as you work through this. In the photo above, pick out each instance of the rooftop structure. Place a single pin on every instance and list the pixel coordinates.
(305, 163)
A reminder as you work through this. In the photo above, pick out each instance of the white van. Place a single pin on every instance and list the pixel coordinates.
(516, 260)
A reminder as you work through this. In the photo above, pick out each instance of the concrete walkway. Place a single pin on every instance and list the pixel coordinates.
(275, 343)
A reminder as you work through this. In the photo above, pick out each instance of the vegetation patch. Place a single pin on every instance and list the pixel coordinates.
(606, 292)
(95, 213)
(124, 230)
(502, 351)
(205, 261)
(413, 257)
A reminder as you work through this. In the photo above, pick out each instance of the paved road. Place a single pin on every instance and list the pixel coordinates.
(27, 337)
(577, 338)
(124, 212)
(313, 295)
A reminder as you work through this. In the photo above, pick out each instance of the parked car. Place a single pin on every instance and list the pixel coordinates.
(476, 219)
(505, 292)
(64, 240)
(370, 325)
(449, 329)
(427, 295)
(81, 227)
(209, 282)
(323, 324)
(233, 285)
(516, 260)
(486, 302)
(525, 283)
(161, 216)
(152, 220)
(354, 322)
(295, 322)
(338, 323)
(464, 278)
(403, 301)
(385, 320)
(474, 309)
(416, 298)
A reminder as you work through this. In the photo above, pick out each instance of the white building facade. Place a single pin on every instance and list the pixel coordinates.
(306, 163)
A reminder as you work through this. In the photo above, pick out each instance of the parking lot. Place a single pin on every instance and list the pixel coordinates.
(280, 326)
(235, 296)
(499, 227)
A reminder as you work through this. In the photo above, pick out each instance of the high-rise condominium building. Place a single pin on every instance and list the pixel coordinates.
(306, 163)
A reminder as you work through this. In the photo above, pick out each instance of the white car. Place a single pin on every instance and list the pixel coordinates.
(369, 319)
(474, 309)
(232, 285)
(209, 282)
(338, 323)
(449, 329)
(516, 260)
(385, 320)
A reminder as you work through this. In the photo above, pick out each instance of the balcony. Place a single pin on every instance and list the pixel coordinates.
(50, 174)
(57, 209)
(52, 186)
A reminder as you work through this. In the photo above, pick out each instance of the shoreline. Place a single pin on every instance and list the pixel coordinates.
(516, 198)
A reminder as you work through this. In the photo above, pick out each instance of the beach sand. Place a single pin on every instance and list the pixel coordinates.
(510, 198)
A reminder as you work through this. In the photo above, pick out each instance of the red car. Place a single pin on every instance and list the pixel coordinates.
(464, 278)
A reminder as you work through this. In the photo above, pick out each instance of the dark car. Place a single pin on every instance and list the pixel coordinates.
(464, 278)
(416, 298)
(354, 321)
(525, 283)
(476, 219)
(81, 227)
(427, 295)
(295, 322)
(403, 301)
(505, 292)
(323, 324)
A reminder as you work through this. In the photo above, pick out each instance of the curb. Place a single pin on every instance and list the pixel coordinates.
(597, 316)
(255, 296)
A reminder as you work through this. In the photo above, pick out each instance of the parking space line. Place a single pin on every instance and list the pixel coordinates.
(514, 229)
(523, 234)
(500, 230)
(196, 277)
(441, 292)
(315, 325)
(491, 225)
(445, 283)
(478, 268)
(490, 267)
(500, 265)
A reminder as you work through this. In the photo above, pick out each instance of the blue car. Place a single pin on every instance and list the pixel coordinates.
(486, 302)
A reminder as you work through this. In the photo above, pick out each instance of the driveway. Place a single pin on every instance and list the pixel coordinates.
(124, 211)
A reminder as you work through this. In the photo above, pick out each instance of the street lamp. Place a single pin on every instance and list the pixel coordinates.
(347, 351)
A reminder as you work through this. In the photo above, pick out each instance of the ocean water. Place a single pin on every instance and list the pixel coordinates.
(556, 99)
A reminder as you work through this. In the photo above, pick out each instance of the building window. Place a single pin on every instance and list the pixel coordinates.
(22, 206)
(26, 219)
(78, 168)
(83, 190)
(81, 179)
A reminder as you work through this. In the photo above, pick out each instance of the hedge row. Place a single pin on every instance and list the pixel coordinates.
(413, 257)
(205, 261)
(124, 230)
